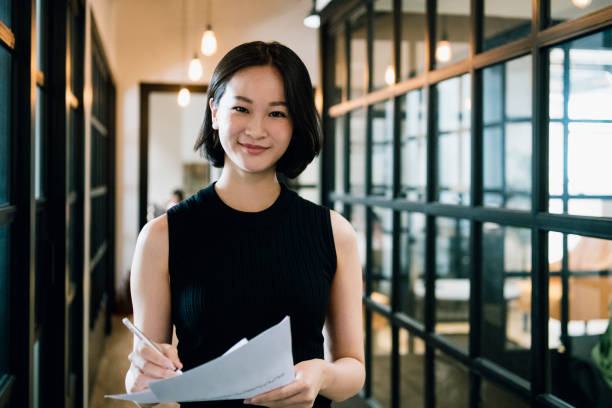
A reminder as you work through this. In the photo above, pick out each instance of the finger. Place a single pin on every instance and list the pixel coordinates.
(278, 394)
(151, 369)
(153, 356)
(172, 353)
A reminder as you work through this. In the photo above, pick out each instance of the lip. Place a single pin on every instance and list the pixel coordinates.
(253, 148)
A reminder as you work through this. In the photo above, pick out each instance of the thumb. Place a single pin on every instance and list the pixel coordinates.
(172, 353)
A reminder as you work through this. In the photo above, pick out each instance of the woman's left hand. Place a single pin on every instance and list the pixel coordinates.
(301, 393)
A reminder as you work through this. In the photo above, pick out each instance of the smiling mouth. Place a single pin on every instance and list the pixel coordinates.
(252, 147)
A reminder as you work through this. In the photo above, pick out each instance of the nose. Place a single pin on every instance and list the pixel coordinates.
(255, 128)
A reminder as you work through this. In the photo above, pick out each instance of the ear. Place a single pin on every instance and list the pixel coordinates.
(213, 111)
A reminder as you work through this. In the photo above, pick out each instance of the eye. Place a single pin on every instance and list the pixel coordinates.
(240, 109)
(278, 114)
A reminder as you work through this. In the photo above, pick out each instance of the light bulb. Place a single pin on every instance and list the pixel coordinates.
(312, 21)
(389, 75)
(195, 69)
(184, 97)
(581, 3)
(443, 51)
(209, 42)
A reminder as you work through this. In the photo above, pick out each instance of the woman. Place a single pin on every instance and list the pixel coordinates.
(235, 258)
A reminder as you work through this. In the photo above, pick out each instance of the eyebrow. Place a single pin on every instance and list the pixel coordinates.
(247, 100)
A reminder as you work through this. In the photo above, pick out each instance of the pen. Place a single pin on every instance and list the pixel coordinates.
(146, 340)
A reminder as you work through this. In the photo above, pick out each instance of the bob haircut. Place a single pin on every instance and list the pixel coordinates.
(305, 141)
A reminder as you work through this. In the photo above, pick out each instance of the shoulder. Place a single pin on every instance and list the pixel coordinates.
(153, 238)
(344, 233)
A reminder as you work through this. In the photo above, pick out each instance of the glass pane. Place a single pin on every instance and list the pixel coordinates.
(454, 153)
(505, 22)
(412, 374)
(507, 134)
(414, 145)
(452, 31)
(358, 221)
(580, 351)
(580, 129)
(357, 152)
(5, 125)
(453, 280)
(561, 11)
(382, 149)
(506, 297)
(6, 13)
(41, 49)
(452, 382)
(383, 72)
(412, 46)
(339, 93)
(359, 52)
(340, 154)
(412, 265)
(381, 360)
(382, 237)
(5, 297)
(39, 147)
(493, 396)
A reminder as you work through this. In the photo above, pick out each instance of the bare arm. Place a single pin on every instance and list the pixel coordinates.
(150, 288)
(345, 375)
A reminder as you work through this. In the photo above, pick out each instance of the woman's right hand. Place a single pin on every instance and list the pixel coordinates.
(147, 365)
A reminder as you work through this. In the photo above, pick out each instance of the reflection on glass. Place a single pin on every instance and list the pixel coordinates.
(382, 149)
(6, 13)
(412, 375)
(452, 31)
(357, 152)
(5, 124)
(580, 130)
(453, 280)
(412, 265)
(580, 346)
(506, 297)
(454, 154)
(507, 134)
(358, 221)
(493, 396)
(561, 11)
(452, 382)
(173, 165)
(39, 145)
(504, 24)
(382, 232)
(412, 45)
(41, 28)
(413, 160)
(381, 360)
(359, 53)
(383, 44)
(5, 291)
(340, 67)
(340, 156)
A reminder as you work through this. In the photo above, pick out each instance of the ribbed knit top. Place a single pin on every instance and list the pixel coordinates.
(234, 274)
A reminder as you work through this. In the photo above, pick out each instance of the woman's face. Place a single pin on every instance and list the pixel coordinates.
(253, 120)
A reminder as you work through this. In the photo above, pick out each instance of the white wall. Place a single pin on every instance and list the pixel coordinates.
(143, 42)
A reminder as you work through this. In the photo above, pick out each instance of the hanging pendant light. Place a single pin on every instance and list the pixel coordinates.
(209, 41)
(390, 75)
(581, 3)
(313, 20)
(184, 97)
(195, 68)
(444, 52)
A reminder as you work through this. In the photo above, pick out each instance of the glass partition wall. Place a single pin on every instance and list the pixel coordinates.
(468, 142)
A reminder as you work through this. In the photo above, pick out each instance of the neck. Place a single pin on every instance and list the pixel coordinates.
(250, 192)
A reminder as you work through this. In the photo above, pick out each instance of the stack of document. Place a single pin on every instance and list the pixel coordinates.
(247, 369)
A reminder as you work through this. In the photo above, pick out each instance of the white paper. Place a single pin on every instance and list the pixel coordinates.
(247, 369)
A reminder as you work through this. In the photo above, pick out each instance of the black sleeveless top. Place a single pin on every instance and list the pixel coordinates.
(234, 274)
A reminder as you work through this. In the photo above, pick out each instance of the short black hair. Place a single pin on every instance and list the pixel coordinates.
(305, 141)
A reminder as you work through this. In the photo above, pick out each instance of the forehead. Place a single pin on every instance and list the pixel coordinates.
(258, 83)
